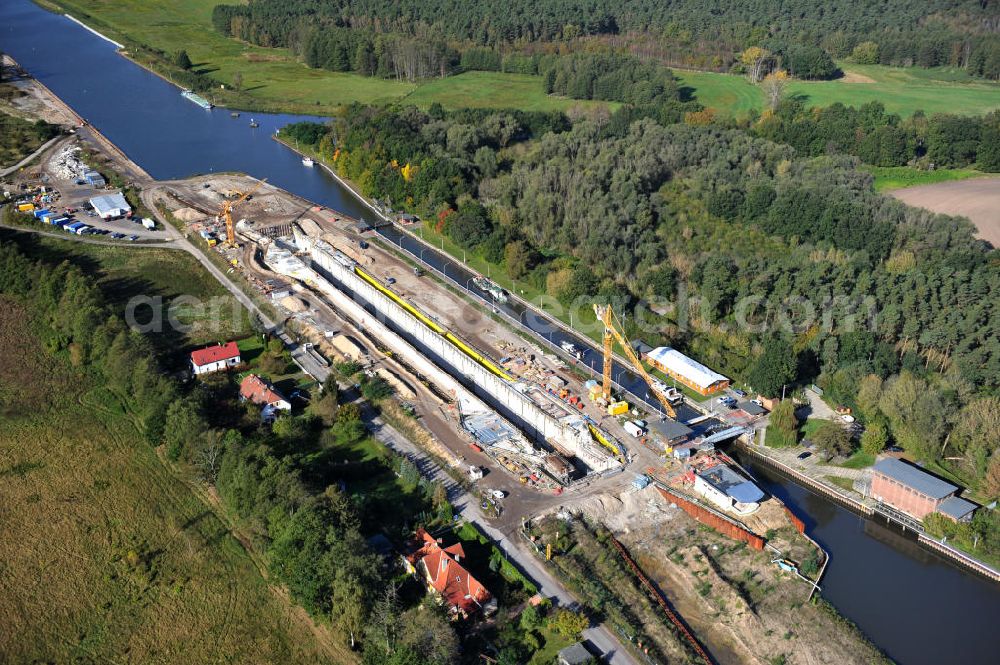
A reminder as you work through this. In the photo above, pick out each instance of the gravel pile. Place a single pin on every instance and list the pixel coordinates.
(67, 164)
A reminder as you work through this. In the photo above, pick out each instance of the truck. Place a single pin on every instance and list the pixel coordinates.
(475, 472)
(634, 428)
(25, 207)
(148, 223)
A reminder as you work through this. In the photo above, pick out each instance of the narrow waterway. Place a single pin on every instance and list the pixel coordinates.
(920, 609)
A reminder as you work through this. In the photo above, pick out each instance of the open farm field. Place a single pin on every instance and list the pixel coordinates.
(978, 199)
(902, 91)
(107, 556)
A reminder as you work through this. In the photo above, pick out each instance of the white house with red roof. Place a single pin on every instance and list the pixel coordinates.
(261, 392)
(215, 358)
(445, 576)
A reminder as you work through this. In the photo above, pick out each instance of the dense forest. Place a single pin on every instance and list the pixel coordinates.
(880, 138)
(385, 35)
(626, 209)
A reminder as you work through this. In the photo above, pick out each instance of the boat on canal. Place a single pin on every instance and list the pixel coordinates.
(197, 99)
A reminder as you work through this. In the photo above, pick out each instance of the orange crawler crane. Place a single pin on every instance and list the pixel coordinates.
(227, 212)
(612, 331)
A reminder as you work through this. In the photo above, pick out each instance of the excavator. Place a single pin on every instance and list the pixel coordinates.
(227, 212)
(612, 332)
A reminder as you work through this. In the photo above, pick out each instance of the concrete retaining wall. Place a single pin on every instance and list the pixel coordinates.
(482, 382)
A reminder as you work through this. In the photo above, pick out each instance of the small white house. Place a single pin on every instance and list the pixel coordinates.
(215, 358)
(728, 490)
(262, 393)
(110, 206)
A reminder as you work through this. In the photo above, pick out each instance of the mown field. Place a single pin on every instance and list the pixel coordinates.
(107, 557)
(902, 91)
(493, 90)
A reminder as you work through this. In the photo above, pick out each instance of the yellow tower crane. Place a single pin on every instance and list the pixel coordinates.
(227, 212)
(612, 331)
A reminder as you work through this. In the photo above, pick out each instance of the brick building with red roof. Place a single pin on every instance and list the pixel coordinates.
(463, 594)
(215, 358)
(262, 393)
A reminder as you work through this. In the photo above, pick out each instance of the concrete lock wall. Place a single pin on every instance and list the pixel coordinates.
(512, 403)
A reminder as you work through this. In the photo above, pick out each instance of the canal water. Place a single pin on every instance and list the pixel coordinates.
(919, 609)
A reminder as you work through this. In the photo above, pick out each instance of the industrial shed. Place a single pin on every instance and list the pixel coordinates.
(110, 206)
(688, 371)
(913, 491)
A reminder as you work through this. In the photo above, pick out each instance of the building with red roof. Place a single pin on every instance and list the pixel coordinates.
(261, 392)
(215, 358)
(444, 575)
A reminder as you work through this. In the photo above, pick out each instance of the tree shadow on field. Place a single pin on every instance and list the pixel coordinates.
(686, 93)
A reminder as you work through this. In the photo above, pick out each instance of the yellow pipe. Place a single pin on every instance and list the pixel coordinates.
(603, 440)
(423, 318)
(477, 357)
(399, 301)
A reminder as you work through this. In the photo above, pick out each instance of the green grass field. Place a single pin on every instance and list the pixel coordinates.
(902, 91)
(897, 177)
(108, 557)
(493, 90)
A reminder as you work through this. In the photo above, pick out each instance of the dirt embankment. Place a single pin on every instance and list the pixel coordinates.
(976, 198)
(742, 607)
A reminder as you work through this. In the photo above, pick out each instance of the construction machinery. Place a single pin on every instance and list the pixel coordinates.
(612, 332)
(227, 211)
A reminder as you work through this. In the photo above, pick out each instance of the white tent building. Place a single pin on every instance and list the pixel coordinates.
(690, 372)
(110, 206)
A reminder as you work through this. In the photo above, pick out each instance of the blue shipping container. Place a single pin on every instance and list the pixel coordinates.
(38, 213)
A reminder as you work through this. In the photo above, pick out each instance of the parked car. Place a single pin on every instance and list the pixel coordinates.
(390, 280)
(739, 393)
(804, 455)
(133, 237)
(116, 236)
(498, 494)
